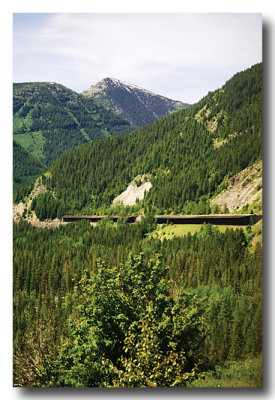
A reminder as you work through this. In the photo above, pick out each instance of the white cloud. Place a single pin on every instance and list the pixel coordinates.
(145, 49)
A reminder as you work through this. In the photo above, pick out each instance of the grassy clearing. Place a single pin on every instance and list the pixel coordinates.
(246, 373)
(32, 142)
(170, 231)
(19, 123)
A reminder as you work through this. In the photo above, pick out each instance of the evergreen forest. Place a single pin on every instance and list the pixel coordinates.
(26, 168)
(124, 305)
(49, 119)
(113, 306)
(188, 156)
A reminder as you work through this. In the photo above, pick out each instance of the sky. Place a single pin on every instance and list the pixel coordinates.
(180, 56)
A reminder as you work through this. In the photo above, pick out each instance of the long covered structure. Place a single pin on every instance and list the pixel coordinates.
(217, 219)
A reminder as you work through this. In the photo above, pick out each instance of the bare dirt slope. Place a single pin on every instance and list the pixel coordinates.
(243, 188)
(18, 209)
(23, 210)
(133, 192)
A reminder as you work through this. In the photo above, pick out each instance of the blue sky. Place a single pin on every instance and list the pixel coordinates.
(181, 56)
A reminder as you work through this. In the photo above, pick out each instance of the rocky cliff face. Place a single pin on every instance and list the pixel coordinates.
(244, 188)
(139, 106)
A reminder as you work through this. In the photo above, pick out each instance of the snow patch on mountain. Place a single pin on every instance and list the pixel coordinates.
(137, 105)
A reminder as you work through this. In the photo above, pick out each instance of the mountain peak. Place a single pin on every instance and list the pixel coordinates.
(138, 105)
(117, 82)
(114, 83)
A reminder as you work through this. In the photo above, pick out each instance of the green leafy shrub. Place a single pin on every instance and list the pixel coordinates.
(129, 331)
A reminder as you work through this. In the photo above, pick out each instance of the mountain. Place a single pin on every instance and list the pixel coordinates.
(139, 106)
(188, 157)
(49, 119)
(140, 305)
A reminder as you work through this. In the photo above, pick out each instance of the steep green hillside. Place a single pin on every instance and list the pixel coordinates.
(26, 167)
(50, 119)
(187, 155)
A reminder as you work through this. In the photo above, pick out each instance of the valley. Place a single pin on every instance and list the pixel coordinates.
(137, 242)
(187, 171)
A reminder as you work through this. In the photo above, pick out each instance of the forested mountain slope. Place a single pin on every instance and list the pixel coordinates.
(187, 155)
(26, 167)
(139, 106)
(50, 119)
